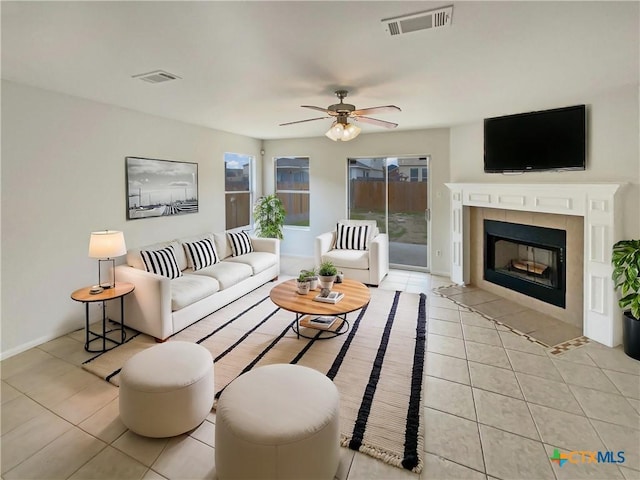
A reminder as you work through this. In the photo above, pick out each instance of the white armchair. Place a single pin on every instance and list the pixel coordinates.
(368, 266)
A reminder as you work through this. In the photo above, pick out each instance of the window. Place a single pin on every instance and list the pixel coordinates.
(292, 187)
(238, 183)
(424, 174)
(413, 175)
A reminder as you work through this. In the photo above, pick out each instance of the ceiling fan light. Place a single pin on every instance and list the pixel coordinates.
(330, 135)
(335, 132)
(351, 131)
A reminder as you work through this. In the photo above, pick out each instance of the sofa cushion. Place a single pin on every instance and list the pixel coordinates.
(258, 261)
(352, 237)
(221, 243)
(227, 273)
(358, 259)
(200, 254)
(135, 260)
(188, 289)
(240, 243)
(161, 262)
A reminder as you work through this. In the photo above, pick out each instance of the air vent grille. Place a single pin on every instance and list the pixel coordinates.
(157, 76)
(414, 22)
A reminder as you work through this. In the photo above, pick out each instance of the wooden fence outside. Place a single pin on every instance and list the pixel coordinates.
(297, 207)
(237, 209)
(410, 197)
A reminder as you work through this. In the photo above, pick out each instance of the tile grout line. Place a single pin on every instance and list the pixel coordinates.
(473, 399)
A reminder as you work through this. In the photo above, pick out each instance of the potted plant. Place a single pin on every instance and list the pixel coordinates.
(312, 276)
(303, 284)
(327, 274)
(269, 215)
(626, 276)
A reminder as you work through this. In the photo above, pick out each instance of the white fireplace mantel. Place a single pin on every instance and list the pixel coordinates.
(597, 203)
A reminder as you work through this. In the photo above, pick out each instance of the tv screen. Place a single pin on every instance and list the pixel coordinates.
(546, 140)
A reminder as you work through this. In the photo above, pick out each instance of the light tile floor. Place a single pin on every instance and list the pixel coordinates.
(496, 406)
(544, 328)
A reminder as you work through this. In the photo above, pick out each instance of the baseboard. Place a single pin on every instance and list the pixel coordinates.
(33, 343)
(441, 273)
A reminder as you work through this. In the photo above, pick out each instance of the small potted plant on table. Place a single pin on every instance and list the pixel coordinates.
(327, 274)
(626, 276)
(312, 276)
(303, 284)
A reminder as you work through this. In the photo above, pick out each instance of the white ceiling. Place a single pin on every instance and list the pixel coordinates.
(246, 67)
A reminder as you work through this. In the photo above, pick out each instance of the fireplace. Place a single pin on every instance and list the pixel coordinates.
(599, 208)
(527, 259)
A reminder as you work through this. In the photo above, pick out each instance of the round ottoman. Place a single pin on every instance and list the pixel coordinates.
(167, 389)
(278, 422)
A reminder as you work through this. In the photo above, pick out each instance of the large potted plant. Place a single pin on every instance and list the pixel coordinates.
(269, 215)
(626, 276)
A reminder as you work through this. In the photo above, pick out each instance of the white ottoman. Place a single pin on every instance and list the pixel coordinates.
(278, 422)
(167, 389)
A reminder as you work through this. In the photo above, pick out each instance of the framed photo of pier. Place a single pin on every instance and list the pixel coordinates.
(157, 188)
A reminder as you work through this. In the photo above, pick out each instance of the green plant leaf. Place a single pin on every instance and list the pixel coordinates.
(625, 258)
(269, 215)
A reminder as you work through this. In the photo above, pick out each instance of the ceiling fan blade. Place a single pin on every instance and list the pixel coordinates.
(375, 121)
(320, 109)
(302, 121)
(382, 109)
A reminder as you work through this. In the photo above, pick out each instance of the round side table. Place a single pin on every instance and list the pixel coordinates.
(120, 290)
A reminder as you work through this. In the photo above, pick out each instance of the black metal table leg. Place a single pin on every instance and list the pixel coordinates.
(86, 330)
(122, 332)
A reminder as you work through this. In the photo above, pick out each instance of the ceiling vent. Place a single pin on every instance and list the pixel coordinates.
(438, 18)
(157, 76)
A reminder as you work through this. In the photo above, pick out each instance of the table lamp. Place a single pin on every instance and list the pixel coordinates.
(105, 246)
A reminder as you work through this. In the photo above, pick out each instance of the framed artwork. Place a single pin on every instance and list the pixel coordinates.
(157, 188)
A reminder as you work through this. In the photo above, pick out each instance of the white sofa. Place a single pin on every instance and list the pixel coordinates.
(160, 306)
(368, 266)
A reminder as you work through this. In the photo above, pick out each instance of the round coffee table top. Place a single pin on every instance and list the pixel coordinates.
(285, 295)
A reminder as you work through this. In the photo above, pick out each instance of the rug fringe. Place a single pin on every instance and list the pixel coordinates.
(384, 455)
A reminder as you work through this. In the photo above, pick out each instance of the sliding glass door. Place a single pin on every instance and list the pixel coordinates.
(393, 191)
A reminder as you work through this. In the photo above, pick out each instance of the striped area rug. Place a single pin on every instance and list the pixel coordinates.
(377, 365)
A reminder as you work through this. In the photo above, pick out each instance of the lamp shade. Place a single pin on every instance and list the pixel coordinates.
(107, 244)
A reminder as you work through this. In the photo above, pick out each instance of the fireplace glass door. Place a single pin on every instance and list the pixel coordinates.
(529, 263)
(527, 259)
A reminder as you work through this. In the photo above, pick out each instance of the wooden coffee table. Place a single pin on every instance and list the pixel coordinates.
(286, 296)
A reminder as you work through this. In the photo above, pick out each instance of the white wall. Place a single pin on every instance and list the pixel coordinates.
(328, 181)
(613, 152)
(63, 176)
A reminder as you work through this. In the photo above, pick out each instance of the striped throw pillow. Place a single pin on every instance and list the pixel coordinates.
(352, 237)
(240, 243)
(201, 254)
(162, 262)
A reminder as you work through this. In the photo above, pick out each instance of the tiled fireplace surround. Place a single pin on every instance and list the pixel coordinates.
(589, 213)
(573, 225)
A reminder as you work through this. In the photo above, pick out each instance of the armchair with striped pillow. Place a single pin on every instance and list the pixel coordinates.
(357, 248)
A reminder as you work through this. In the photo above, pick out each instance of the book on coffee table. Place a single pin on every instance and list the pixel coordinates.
(332, 297)
(322, 323)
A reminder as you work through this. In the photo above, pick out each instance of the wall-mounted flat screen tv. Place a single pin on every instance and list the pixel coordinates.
(546, 140)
